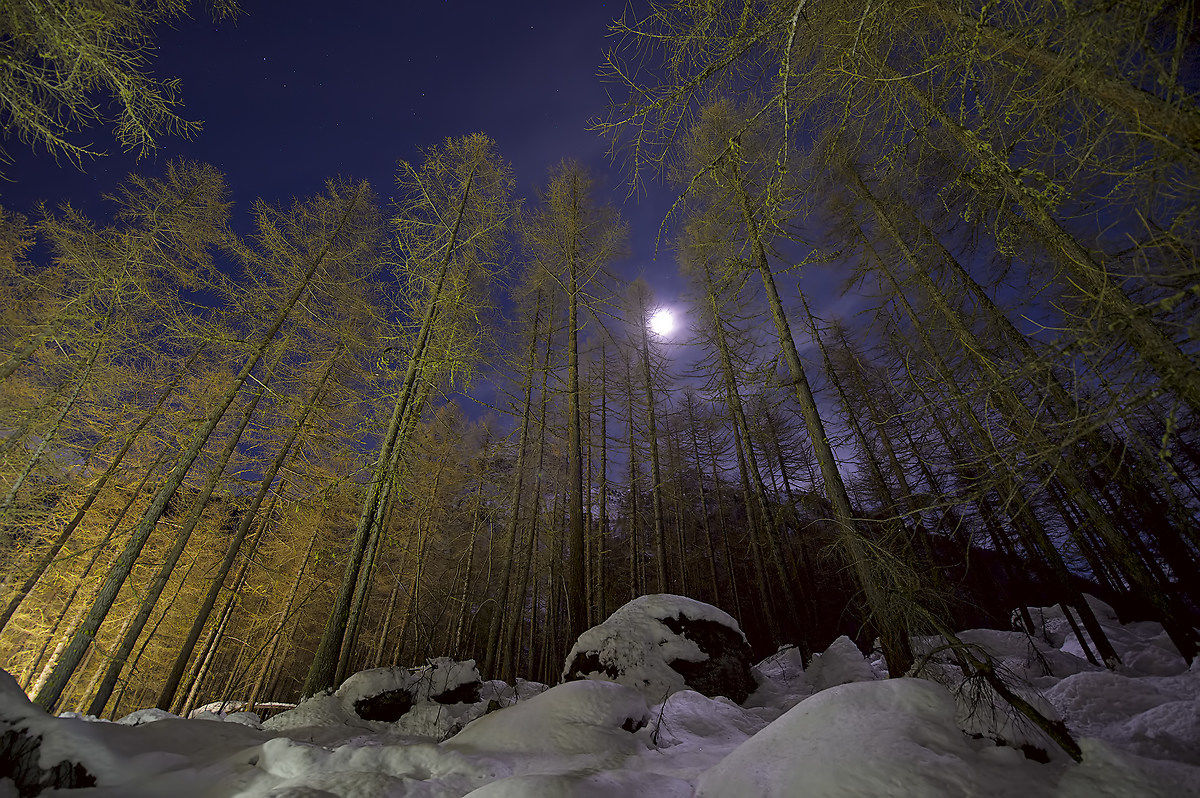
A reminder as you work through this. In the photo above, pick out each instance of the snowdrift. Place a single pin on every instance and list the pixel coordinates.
(836, 728)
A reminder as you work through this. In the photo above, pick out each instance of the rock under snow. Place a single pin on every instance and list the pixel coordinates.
(430, 701)
(661, 644)
(141, 716)
(505, 694)
(832, 730)
(783, 681)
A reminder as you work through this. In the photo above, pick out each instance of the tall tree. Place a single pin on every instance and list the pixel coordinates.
(454, 208)
(574, 238)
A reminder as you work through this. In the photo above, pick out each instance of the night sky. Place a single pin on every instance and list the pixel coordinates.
(297, 92)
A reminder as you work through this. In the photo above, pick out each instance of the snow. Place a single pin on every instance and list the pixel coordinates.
(506, 695)
(604, 784)
(582, 717)
(841, 663)
(1156, 717)
(635, 643)
(328, 716)
(1143, 646)
(833, 729)
(866, 738)
(899, 737)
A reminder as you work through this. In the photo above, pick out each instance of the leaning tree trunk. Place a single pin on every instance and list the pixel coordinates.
(323, 670)
(100, 550)
(1174, 615)
(54, 687)
(765, 530)
(269, 657)
(171, 685)
(980, 433)
(50, 435)
(895, 644)
(150, 597)
(49, 556)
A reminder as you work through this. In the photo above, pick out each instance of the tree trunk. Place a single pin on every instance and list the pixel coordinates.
(48, 557)
(152, 593)
(167, 692)
(1174, 616)
(323, 670)
(50, 435)
(514, 502)
(575, 581)
(660, 544)
(51, 692)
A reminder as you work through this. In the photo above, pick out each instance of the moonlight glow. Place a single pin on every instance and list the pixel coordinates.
(662, 322)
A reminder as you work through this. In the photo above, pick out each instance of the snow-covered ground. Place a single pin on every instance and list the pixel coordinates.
(835, 728)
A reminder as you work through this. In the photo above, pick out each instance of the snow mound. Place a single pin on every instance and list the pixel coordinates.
(900, 737)
(581, 717)
(893, 737)
(832, 730)
(661, 644)
(841, 663)
(41, 751)
(1153, 716)
(430, 701)
(138, 717)
(605, 784)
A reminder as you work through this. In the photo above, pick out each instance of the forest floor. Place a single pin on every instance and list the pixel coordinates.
(835, 728)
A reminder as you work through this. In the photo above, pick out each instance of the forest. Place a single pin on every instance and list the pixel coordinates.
(244, 460)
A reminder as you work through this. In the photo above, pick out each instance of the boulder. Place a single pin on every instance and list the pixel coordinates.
(387, 694)
(30, 756)
(661, 644)
(20, 761)
(432, 701)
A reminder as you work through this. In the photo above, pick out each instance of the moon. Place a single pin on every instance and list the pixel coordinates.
(662, 322)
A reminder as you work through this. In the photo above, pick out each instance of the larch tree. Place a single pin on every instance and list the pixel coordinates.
(574, 238)
(449, 226)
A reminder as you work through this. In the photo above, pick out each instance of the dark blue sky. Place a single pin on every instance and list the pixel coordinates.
(296, 92)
